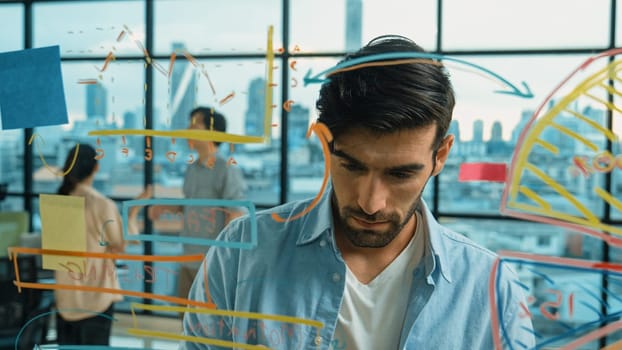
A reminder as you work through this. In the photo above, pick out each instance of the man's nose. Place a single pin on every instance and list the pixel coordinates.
(372, 195)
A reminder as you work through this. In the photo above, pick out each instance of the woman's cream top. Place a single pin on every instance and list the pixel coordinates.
(102, 221)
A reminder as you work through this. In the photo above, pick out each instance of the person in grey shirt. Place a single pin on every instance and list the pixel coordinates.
(209, 177)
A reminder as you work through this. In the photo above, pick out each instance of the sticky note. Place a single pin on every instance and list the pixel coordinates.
(31, 92)
(491, 172)
(63, 228)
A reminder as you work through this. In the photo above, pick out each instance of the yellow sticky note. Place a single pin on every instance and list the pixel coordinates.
(63, 227)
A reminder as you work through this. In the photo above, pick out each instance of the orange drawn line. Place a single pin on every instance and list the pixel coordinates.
(196, 64)
(87, 81)
(152, 258)
(385, 63)
(526, 309)
(209, 81)
(170, 299)
(139, 44)
(121, 35)
(190, 58)
(292, 65)
(287, 105)
(161, 69)
(171, 64)
(599, 333)
(325, 138)
(227, 98)
(109, 58)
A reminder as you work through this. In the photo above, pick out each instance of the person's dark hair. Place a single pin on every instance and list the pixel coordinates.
(388, 98)
(83, 167)
(212, 119)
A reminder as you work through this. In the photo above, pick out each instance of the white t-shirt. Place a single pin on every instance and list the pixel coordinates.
(372, 315)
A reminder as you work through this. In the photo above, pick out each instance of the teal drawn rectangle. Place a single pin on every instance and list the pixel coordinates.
(191, 240)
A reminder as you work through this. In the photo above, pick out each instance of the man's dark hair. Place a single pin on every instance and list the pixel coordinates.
(211, 119)
(388, 98)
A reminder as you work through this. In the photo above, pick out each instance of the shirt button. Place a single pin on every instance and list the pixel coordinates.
(322, 243)
(318, 340)
(336, 277)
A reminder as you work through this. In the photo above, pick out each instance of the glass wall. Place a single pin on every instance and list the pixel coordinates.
(531, 97)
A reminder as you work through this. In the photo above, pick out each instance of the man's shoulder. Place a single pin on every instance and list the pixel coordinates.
(290, 219)
(460, 240)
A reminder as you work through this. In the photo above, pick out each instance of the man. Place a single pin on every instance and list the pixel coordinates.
(369, 263)
(209, 177)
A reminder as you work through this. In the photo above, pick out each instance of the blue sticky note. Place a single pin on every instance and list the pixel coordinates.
(31, 88)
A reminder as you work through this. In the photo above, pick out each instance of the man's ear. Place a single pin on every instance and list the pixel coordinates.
(442, 153)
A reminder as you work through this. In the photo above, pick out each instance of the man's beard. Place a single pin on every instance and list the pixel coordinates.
(370, 238)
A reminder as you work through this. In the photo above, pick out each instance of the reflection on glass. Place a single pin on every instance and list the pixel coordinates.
(11, 19)
(11, 203)
(230, 27)
(487, 124)
(305, 156)
(132, 275)
(235, 88)
(165, 274)
(563, 302)
(489, 24)
(93, 28)
(350, 24)
(616, 173)
(113, 101)
(12, 159)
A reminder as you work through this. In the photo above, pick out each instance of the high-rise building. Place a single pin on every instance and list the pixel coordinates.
(298, 124)
(525, 116)
(96, 101)
(354, 19)
(182, 90)
(254, 116)
(130, 120)
(496, 133)
(454, 129)
(478, 131)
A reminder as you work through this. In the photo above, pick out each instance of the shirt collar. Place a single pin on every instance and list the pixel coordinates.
(437, 251)
(318, 220)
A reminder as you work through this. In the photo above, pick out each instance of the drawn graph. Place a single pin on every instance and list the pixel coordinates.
(571, 302)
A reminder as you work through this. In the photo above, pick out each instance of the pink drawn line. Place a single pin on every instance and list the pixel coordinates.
(566, 262)
(611, 239)
(597, 334)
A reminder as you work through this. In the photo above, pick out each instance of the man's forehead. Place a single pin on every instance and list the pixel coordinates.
(421, 139)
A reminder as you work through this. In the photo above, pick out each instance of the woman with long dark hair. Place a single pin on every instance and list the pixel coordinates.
(85, 318)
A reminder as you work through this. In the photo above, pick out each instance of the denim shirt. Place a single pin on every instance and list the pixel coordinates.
(296, 270)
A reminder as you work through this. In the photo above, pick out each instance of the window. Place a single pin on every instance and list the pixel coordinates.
(116, 57)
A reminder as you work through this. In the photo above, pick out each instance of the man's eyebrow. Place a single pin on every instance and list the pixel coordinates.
(408, 167)
(400, 168)
(342, 154)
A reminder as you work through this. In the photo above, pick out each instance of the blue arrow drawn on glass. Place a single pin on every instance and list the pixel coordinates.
(513, 90)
